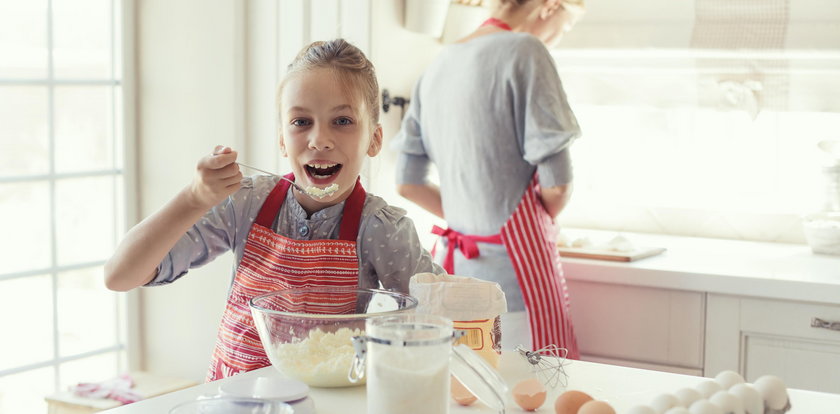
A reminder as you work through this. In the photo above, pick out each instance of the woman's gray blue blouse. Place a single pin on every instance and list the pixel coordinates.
(387, 245)
(488, 113)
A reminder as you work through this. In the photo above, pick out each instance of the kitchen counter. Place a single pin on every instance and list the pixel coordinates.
(622, 387)
(769, 270)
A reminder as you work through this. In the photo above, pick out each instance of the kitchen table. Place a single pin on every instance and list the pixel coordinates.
(622, 387)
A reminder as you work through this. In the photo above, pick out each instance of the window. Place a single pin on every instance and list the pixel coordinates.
(61, 196)
(674, 145)
(702, 118)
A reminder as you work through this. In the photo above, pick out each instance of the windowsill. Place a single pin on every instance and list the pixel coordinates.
(770, 270)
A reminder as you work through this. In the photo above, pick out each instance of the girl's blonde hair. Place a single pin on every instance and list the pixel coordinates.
(348, 62)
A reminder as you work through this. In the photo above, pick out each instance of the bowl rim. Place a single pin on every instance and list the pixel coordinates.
(412, 299)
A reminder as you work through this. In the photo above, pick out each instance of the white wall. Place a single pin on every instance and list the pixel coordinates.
(400, 56)
(189, 98)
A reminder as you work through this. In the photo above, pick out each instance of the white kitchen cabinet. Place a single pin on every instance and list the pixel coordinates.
(639, 327)
(770, 336)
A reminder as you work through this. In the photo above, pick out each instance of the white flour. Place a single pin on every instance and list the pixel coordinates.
(321, 360)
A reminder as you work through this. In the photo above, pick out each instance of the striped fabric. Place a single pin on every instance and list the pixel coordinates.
(315, 302)
(311, 262)
(529, 237)
(272, 262)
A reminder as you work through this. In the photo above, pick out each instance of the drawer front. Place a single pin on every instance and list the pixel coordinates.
(792, 319)
(647, 325)
(644, 365)
(801, 363)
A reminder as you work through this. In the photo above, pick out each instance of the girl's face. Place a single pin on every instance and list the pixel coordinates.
(326, 133)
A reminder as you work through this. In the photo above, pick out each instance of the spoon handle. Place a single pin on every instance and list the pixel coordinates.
(274, 175)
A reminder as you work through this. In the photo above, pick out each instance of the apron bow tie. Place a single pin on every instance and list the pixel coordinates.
(464, 242)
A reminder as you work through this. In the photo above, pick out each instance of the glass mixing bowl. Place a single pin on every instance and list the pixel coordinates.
(307, 332)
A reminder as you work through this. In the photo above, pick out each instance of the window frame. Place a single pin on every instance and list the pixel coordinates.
(122, 99)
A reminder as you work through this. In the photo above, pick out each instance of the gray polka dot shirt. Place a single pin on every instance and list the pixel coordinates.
(387, 246)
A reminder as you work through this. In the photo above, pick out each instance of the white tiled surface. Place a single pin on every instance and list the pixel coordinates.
(771, 270)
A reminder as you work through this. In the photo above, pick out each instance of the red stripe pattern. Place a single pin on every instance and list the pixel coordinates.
(273, 262)
(529, 237)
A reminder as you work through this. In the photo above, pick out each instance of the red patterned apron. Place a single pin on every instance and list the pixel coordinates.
(272, 262)
(529, 237)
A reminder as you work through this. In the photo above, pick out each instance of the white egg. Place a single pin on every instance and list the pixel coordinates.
(753, 404)
(708, 388)
(664, 402)
(773, 391)
(728, 402)
(688, 396)
(727, 379)
(641, 409)
(704, 407)
(678, 410)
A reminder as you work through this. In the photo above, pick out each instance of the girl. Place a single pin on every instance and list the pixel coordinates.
(491, 114)
(329, 111)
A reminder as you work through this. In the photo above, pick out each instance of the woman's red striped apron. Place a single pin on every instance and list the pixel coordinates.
(529, 237)
(272, 262)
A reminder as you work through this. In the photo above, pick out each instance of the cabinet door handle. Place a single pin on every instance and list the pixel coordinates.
(821, 323)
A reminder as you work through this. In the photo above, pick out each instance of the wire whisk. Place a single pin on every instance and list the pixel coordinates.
(547, 363)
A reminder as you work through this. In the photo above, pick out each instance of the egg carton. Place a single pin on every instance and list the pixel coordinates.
(783, 410)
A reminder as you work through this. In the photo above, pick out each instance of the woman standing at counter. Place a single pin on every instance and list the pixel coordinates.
(491, 114)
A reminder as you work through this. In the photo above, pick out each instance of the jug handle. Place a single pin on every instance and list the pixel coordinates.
(357, 369)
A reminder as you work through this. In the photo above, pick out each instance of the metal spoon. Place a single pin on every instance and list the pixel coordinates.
(311, 191)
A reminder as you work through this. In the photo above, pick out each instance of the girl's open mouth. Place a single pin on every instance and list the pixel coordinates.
(322, 173)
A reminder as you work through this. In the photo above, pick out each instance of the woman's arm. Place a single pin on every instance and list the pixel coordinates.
(136, 258)
(554, 199)
(424, 195)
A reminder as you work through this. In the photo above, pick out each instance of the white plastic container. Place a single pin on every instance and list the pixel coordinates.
(284, 390)
(822, 230)
(229, 405)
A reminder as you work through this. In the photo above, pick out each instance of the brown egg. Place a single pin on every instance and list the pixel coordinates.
(460, 393)
(529, 394)
(596, 407)
(570, 401)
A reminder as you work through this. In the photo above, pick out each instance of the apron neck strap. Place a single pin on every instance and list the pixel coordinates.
(275, 199)
(351, 216)
(496, 22)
